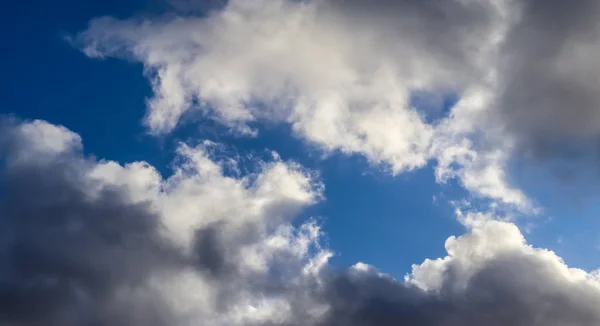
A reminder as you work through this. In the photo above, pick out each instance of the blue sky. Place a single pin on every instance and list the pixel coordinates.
(104, 101)
(417, 160)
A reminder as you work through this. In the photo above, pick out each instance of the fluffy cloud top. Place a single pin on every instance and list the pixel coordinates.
(342, 73)
(88, 242)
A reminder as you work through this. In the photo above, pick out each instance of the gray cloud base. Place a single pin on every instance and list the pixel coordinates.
(69, 258)
(549, 93)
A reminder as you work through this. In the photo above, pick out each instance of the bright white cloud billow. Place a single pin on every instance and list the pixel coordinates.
(96, 242)
(341, 73)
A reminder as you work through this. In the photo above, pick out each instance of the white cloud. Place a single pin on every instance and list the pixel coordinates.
(491, 239)
(38, 140)
(466, 148)
(341, 75)
(490, 276)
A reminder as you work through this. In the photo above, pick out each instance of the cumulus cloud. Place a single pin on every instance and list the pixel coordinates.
(490, 277)
(297, 59)
(342, 73)
(87, 242)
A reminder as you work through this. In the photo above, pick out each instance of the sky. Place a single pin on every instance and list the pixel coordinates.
(281, 162)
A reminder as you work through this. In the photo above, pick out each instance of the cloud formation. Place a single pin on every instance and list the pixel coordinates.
(490, 277)
(343, 74)
(548, 93)
(87, 242)
(95, 242)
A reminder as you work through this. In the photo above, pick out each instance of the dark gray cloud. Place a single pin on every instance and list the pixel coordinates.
(449, 32)
(550, 90)
(76, 251)
(209, 251)
(64, 256)
(512, 289)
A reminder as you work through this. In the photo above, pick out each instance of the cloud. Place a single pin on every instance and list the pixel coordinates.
(548, 92)
(271, 52)
(341, 73)
(95, 242)
(476, 156)
(66, 254)
(88, 242)
(490, 277)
